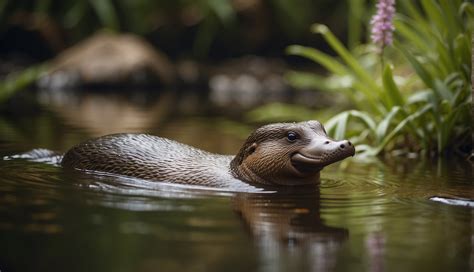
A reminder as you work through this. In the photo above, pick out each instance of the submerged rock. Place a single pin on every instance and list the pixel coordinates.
(108, 59)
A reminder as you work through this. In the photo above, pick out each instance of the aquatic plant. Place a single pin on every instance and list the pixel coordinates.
(418, 103)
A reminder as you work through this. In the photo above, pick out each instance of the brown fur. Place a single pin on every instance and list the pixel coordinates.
(266, 158)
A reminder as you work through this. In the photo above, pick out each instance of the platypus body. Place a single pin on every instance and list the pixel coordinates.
(282, 154)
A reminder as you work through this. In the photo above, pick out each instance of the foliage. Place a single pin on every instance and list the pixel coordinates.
(426, 107)
(18, 81)
(203, 20)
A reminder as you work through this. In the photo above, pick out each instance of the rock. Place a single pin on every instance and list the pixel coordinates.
(109, 59)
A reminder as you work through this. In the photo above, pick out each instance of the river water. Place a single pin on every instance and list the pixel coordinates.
(365, 216)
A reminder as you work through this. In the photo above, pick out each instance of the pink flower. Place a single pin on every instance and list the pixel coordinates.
(382, 23)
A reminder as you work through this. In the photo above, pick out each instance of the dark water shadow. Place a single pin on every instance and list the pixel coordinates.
(288, 230)
(285, 225)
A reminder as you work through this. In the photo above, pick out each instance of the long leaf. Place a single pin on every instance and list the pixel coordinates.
(365, 118)
(317, 56)
(106, 12)
(403, 28)
(341, 127)
(435, 15)
(385, 123)
(420, 97)
(401, 126)
(419, 68)
(356, 11)
(305, 80)
(396, 98)
(347, 57)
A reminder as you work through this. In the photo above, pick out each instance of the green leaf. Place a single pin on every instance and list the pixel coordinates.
(305, 80)
(400, 127)
(420, 97)
(223, 10)
(391, 88)
(356, 10)
(337, 125)
(419, 68)
(443, 57)
(341, 126)
(435, 15)
(75, 14)
(106, 12)
(449, 8)
(317, 56)
(358, 70)
(385, 123)
(442, 91)
(462, 50)
(404, 28)
(19, 81)
(369, 122)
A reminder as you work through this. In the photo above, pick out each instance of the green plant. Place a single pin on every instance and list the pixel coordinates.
(18, 81)
(424, 108)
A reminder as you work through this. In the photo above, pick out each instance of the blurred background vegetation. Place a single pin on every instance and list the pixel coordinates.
(201, 29)
(415, 98)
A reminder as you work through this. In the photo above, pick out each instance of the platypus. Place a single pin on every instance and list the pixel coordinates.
(281, 154)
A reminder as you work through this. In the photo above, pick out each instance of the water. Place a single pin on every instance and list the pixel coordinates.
(369, 216)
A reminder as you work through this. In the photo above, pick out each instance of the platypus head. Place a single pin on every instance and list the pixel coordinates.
(288, 154)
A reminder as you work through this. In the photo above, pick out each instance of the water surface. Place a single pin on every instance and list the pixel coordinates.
(363, 217)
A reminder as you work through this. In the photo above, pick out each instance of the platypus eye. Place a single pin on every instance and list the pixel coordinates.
(292, 136)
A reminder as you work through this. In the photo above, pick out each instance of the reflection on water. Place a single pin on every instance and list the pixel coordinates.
(289, 232)
(363, 217)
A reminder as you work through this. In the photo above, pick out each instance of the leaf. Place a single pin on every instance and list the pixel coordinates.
(403, 28)
(442, 91)
(435, 15)
(341, 126)
(319, 57)
(391, 88)
(420, 97)
(223, 10)
(75, 14)
(365, 118)
(19, 81)
(385, 123)
(419, 69)
(356, 11)
(443, 57)
(400, 127)
(106, 12)
(358, 70)
(305, 80)
(337, 125)
(451, 19)
(462, 49)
